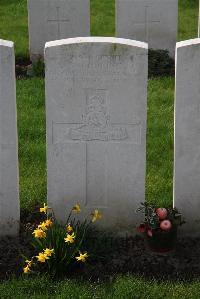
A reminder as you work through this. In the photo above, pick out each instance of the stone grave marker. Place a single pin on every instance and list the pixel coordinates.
(151, 21)
(9, 194)
(187, 133)
(56, 19)
(96, 98)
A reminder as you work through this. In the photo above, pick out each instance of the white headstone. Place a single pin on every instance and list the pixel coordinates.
(96, 97)
(9, 191)
(187, 133)
(151, 21)
(51, 20)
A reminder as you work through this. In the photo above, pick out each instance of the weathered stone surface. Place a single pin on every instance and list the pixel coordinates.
(187, 133)
(53, 20)
(151, 21)
(9, 194)
(96, 93)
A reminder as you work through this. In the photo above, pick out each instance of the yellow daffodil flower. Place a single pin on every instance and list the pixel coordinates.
(76, 209)
(42, 226)
(70, 238)
(69, 228)
(44, 209)
(48, 252)
(96, 216)
(39, 233)
(48, 222)
(82, 257)
(26, 269)
(29, 263)
(42, 257)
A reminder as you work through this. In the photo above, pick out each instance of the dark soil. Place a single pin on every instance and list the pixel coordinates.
(13, 250)
(132, 256)
(22, 66)
(111, 257)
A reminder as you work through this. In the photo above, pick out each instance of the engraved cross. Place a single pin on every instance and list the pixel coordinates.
(58, 20)
(146, 23)
(96, 127)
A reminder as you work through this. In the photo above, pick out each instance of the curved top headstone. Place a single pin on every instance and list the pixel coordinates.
(96, 96)
(187, 134)
(187, 43)
(112, 40)
(6, 43)
(9, 195)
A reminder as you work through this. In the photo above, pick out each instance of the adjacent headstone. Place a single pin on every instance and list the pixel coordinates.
(187, 133)
(151, 21)
(9, 191)
(56, 19)
(96, 98)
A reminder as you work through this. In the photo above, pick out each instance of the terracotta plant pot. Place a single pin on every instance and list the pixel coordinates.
(162, 241)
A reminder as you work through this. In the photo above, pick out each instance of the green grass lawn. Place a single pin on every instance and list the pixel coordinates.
(32, 148)
(126, 287)
(32, 157)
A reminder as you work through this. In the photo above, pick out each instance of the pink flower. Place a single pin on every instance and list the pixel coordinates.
(165, 225)
(162, 213)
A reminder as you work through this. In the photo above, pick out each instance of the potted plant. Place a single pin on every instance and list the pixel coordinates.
(160, 227)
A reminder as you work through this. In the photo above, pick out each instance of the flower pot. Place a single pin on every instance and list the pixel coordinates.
(162, 241)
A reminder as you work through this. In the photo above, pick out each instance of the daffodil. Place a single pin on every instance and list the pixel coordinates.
(70, 238)
(39, 233)
(26, 269)
(29, 263)
(42, 226)
(76, 209)
(48, 222)
(42, 257)
(82, 257)
(48, 252)
(44, 209)
(96, 215)
(69, 228)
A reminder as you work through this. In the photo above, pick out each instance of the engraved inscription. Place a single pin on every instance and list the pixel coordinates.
(96, 122)
(98, 67)
(146, 23)
(110, 65)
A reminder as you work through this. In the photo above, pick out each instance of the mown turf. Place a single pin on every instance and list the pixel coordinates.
(126, 287)
(102, 17)
(188, 19)
(32, 148)
(160, 141)
(13, 24)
